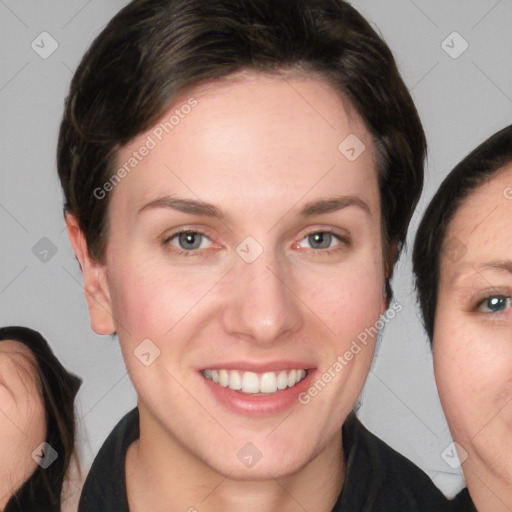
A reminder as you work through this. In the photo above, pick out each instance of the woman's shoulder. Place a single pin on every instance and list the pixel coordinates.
(105, 486)
(379, 478)
(462, 502)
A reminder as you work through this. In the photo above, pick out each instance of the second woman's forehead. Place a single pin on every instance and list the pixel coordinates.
(18, 368)
(479, 235)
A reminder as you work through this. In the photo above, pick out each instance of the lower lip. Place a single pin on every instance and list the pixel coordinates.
(259, 405)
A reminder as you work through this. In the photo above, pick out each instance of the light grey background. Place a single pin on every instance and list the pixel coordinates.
(461, 101)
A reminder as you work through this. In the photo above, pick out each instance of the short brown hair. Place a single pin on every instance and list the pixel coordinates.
(152, 51)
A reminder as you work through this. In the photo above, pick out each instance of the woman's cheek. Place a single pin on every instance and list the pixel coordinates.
(145, 298)
(473, 369)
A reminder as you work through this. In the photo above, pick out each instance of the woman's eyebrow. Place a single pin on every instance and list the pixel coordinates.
(505, 265)
(470, 269)
(333, 204)
(184, 205)
(197, 207)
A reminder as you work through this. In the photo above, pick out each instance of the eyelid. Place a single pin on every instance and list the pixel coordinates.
(343, 239)
(344, 244)
(166, 240)
(339, 233)
(476, 293)
(171, 233)
(201, 231)
(483, 297)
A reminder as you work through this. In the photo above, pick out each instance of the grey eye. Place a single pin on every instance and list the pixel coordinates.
(189, 240)
(320, 240)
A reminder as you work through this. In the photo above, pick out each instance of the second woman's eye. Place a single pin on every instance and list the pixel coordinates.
(320, 240)
(189, 240)
(495, 304)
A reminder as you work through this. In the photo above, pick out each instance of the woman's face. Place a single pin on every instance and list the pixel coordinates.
(279, 273)
(473, 339)
(22, 417)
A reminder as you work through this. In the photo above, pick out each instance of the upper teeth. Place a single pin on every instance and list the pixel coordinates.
(250, 382)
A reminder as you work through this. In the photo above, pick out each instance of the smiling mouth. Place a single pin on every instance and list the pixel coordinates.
(252, 383)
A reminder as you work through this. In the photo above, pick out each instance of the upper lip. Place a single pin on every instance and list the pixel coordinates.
(260, 367)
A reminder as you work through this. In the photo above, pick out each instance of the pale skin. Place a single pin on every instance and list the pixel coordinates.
(257, 151)
(473, 342)
(22, 418)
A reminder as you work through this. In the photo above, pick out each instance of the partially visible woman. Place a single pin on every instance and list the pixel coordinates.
(463, 265)
(37, 423)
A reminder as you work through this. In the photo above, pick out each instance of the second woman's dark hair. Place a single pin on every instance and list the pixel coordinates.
(473, 171)
(42, 491)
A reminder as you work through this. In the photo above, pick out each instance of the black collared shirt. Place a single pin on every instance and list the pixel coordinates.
(378, 479)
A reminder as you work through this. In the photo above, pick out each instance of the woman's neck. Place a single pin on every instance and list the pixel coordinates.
(163, 475)
(490, 491)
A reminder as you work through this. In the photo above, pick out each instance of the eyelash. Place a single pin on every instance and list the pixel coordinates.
(480, 303)
(176, 250)
(344, 241)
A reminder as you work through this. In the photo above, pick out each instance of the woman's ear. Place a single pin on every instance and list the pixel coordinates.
(95, 283)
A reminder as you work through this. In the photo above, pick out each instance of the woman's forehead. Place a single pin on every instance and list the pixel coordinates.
(484, 206)
(262, 132)
(480, 233)
(18, 366)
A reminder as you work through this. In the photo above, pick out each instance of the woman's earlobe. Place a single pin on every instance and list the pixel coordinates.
(96, 289)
